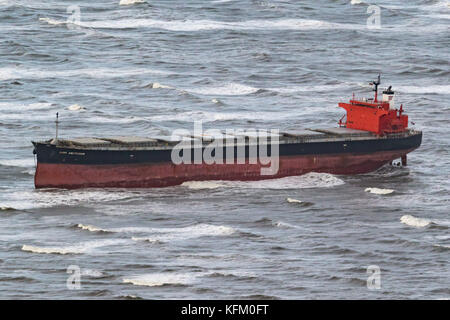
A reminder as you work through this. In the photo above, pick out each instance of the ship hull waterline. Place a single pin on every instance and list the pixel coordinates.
(165, 174)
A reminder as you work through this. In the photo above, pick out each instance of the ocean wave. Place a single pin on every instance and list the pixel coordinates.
(200, 185)
(308, 180)
(130, 2)
(232, 273)
(52, 21)
(190, 232)
(91, 228)
(157, 85)
(291, 200)
(76, 107)
(80, 248)
(92, 273)
(281, 224)
(22, 163)
(229, 89)
(437, 89)
(414, 221)
(166, 234)
(160, 279)
(23, 200)
(8, 209)
(11, 106)
(14, 73)
(205, 25)
(379, 190)
(424, 222)
(209, 116)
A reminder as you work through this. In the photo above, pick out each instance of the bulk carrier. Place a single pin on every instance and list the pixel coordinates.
(371, 134)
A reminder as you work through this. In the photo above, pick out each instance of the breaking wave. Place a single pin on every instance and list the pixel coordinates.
(379, 191)
(208, 116)
(423, 222)
(160, 235)
(230, 89)
(23, 200)
(91, 228)
(9, 106)
(205, 25)
(437, 89)
(414, 221)
(14, 73)
(190, 232)
(281, 224)
(85, 247)
(22, 163)
(160, 279)
(291, 200)
(308, 180)
(52, 21)
(130, 2)
(199, 185)
(76, 107)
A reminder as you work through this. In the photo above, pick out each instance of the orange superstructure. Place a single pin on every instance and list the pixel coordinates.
(379, 117)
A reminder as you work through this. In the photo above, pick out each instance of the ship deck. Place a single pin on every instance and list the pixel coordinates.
(247, 137)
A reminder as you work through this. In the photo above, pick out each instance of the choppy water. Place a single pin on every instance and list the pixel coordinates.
(148, 68)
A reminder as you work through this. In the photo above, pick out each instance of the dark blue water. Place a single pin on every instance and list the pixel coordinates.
(149, 68)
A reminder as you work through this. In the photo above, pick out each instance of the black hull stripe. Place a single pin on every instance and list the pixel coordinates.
(47, 153)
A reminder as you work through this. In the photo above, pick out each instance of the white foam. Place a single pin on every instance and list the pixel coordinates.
(223, 1)
(23, 163)
(229, 89)
(10, 73)
(56, 250)
(91, 228)
(438, 89)
(190, 232)
(311, 88)
(379, 191)
(80, 248)
(52, 21)
(414, 221)
(201, 25)
(25, 199)
(76, 107)
(92, 273)
(130, 2)
(241, 274)
(8, 106)
(198, 185)
(282, 224)
(160, 279)
(7, 208)
(309, 180)
(166, 234)
(291, 200)
(158, 85)
(441, 246)
(353, 2)
(207, 116)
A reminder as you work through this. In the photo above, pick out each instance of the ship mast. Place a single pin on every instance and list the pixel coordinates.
(376, 83)
(56, 126)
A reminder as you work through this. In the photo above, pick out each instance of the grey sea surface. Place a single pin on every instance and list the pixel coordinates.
(149, 68)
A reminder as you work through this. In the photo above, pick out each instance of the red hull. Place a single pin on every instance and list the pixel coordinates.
(72, 176)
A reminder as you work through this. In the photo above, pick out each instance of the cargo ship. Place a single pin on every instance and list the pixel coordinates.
(372, 133)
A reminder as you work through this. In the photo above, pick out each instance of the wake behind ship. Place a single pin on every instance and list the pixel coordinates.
(373, 134)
